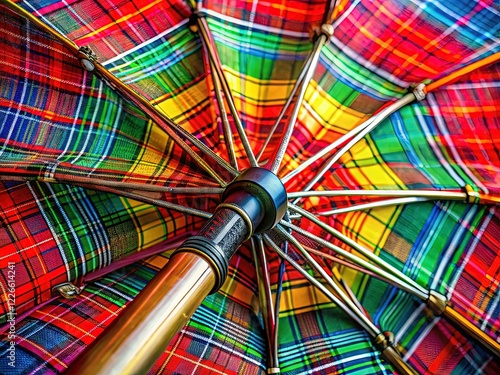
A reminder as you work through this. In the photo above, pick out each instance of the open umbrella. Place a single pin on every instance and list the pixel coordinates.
(346, 151)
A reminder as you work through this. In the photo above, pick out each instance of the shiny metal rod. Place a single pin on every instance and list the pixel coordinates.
(353, 135)
(204, 31)
(228, 134)
(407, 99)
(319, 285)
(298, 83)
(266, 302)
(371, 205)
(280, 152)
(434, 194)
(461, 322)
(348, 304)
(135, 340)
(255, 201)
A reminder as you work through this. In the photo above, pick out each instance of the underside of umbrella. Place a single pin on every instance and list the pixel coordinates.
(328, 173)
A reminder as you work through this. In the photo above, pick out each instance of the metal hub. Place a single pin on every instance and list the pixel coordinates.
(253, 203)
(265, 187)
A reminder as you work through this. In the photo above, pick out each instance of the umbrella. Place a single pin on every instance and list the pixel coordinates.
(380, 121)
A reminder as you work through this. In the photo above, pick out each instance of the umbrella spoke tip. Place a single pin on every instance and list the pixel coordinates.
(327, 30)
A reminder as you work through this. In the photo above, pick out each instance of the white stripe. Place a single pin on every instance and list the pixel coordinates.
(469, 25)
(28, 5)
(353, 55)
(71, 229)
(416, 315)
(88, 27)
(456, 157)
(89, 132)
(25, 85)
(109, 138)
(335, 363)
(115, 291)
(228, 349)
(94, 225)
(430, 138)
(420, 338)
(452, 247)
(54, 234)
(471, 249)
(51, 170)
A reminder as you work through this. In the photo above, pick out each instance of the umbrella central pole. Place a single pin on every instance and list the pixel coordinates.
(253, 203)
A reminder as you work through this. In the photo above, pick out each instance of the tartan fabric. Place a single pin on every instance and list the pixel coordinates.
(57, 233)
(438, 245)
(261, 68)
(289, 17)
(60, 121)
(379, 49)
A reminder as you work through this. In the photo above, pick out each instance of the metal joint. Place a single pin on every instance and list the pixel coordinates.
(67, 290)
(384, 340)
(268, 189)
(87, 58)
(472, 195)
(419, 92)
(380, 342)
(193, 21)
(436, 302)
(327, 30)
(274, 370)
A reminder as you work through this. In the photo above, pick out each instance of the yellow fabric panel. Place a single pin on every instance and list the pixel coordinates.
(147, 219)
(340, 118)
(299, 296)
(153, 156)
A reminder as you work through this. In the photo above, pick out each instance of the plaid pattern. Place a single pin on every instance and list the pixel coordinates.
(110, 28)
(58, 121)
(57, 233)
(408, 42)
(378, 50)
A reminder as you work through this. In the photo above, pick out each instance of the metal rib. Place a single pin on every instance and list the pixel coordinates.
(210, 45)
(329, 9)
(228, 134)
(265, 297)
(298, 82)
(361, 317)
(345, 303)
(291, 125)
(432, 194)
(350, 265)
(370, 205)
(177, 133)
(393, 279)
(370, 328)
(149, 200)
(422, 292)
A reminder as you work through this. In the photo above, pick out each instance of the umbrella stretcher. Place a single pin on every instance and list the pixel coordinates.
(343, 206)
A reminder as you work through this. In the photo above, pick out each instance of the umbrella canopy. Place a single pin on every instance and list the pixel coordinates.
(380, 118)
